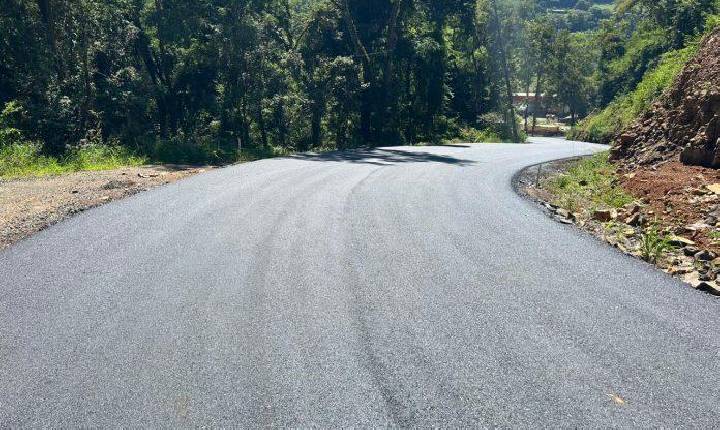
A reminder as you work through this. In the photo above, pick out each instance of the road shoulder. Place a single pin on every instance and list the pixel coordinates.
(30, 205)
(665, 216)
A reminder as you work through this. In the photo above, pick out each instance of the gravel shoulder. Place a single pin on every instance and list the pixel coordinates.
(29, 205)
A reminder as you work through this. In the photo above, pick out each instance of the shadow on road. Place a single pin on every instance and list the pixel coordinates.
(383, 157)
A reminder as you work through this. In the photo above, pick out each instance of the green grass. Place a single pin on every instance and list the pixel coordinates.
(24, 159)
(605, 125)
(653, 245)
(714, 235)
(591, 183)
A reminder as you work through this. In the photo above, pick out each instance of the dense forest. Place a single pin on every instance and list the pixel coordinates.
(194, 81)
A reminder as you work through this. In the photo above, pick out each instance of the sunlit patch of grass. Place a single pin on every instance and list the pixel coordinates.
(102, 157)
(591, 183)
(25, 159)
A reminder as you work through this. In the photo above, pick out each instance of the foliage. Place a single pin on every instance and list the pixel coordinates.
(591, 183)
(190, 81)
(25, 159)
(100, 157)
(472, 135)
(621, 59)
(606, 124)
(653, 244)
(254, 154)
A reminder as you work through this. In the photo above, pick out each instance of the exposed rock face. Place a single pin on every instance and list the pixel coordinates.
(685, 121)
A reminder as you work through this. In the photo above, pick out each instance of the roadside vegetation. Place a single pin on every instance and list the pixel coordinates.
(192, 82)
(26, 159)
(603, 126)
(654, 245)
(590, 184)
(635, 72)
(590, 191)
(667, 215)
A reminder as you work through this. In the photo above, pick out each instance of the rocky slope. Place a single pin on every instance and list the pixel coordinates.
(685, 122)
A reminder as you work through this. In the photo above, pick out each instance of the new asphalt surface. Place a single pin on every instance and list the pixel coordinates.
(406, 287)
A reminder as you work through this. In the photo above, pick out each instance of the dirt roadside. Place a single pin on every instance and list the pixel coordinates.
(676, 214)
(29, 205)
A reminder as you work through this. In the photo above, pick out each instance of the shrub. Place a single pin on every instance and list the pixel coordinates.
(473, 135)
(184, 151)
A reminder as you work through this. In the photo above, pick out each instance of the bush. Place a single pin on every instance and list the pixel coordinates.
(473, 135)
(9, 136)
(182, 151)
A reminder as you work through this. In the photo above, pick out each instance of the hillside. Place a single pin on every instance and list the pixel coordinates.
(685, 121)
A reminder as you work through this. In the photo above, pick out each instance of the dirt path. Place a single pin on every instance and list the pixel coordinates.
(32, 204)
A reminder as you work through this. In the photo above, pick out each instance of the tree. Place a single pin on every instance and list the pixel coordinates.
(192, 80)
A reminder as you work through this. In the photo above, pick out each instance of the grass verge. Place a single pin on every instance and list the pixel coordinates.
(25, 159)
(590, 184)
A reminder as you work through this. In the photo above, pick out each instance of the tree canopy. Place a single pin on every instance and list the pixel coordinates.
(196, 79)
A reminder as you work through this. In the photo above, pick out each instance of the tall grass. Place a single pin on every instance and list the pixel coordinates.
(22, 159)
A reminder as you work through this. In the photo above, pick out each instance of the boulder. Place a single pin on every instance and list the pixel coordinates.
(705, 256)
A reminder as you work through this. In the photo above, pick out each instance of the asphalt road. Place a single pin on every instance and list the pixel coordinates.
(397, 287)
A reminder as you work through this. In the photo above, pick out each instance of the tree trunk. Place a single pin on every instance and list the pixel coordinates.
(316, 125)
(506, 70)
(388, 71)
(261, 126)
(527, 104)
(536, 102)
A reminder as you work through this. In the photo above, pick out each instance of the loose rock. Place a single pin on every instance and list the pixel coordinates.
(605, 215)
(679, 241)
(705, 256)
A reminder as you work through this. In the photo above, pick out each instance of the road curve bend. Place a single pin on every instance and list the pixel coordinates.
(405, 287)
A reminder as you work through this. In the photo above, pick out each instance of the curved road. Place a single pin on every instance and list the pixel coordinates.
(395, 287)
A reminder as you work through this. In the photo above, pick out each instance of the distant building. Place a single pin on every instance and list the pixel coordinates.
(523, 101)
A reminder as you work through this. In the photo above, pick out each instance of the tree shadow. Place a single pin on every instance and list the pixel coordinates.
(382, 157)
